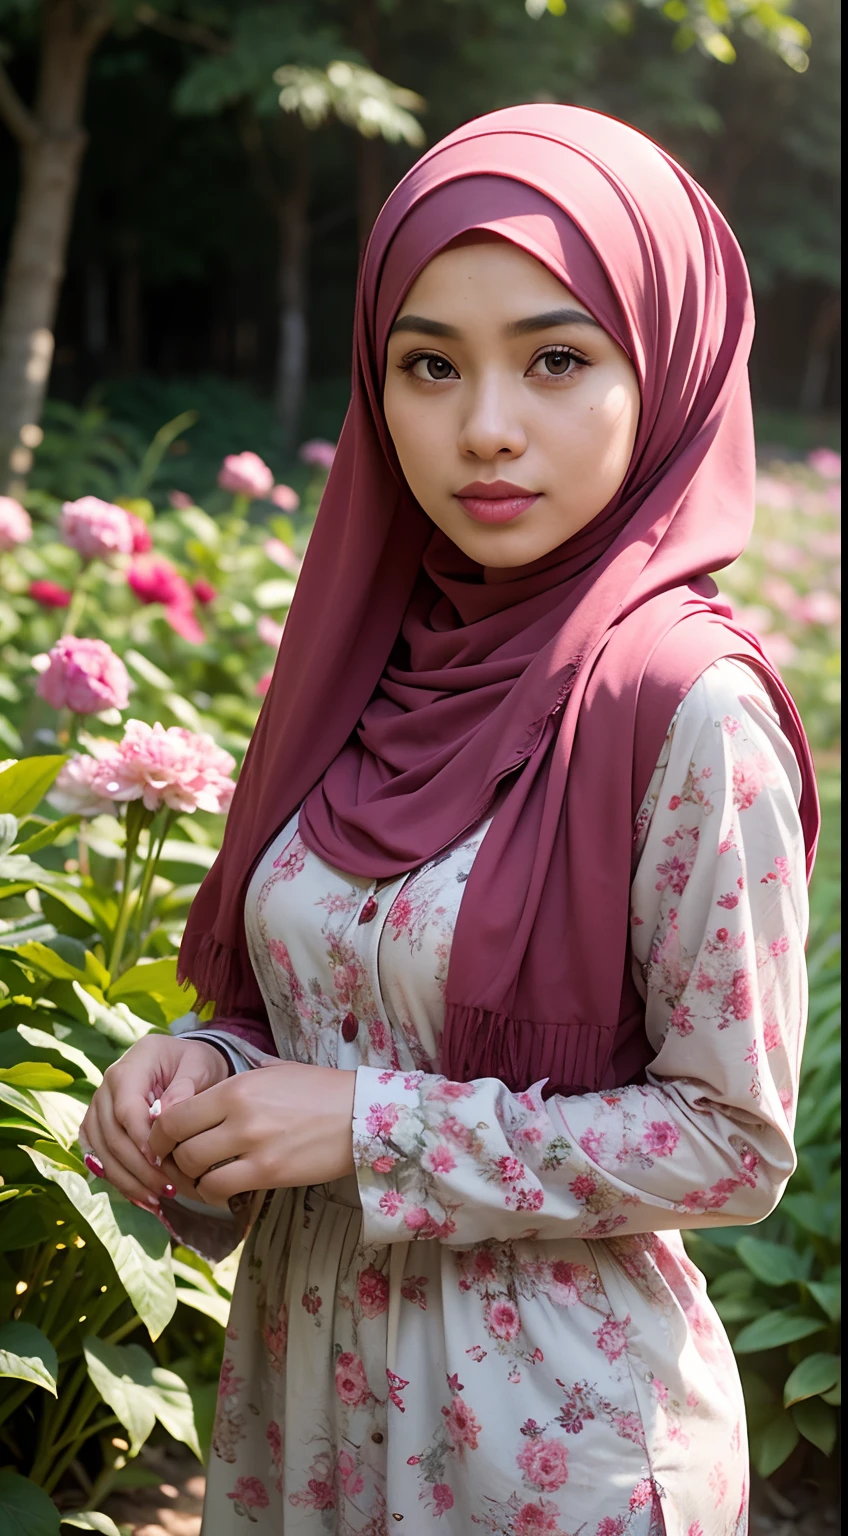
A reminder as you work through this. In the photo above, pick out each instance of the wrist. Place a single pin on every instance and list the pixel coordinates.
(220, 1063)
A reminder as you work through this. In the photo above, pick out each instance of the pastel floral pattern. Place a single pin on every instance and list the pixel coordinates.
(494, 1325)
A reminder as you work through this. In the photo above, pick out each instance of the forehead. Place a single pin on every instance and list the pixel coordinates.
(488, 270)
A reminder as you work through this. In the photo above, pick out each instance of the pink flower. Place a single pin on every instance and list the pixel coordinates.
(180, 499)
(642, 1494)
(15, 524)
(351, 1381)
(263, 684)
(778, 494)
(142, 538)
(49, 594)
(84, 676)
(203, 591)
(822, 608)
(660, 1138)
(317, 451)
(740, 997)
(180, 769)
(251, 1492)
(245, 474)
(442, 1498)
(417, 1218)
(544, 1463)
(154, 580)
(282, 555)
(391, 1202)
(285, 498)
(461, 1424)
(612, 1337)
(269, 630)
(351, 1480)
(583, 1186)
(274, 1437)
(611, 1525)
(75, 791)
(96, 529)
(510, 1170)
(540, 1519)
(373, 1291)
(440, 1160)
(826, 463)
(381, 1119)
(504, 1320)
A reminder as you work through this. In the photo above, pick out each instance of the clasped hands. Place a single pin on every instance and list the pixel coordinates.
(285, 1124)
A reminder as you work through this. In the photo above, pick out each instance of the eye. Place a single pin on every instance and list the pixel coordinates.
(436, 368)
(559, 362)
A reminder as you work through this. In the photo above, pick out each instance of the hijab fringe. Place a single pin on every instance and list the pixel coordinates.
(574, 1057)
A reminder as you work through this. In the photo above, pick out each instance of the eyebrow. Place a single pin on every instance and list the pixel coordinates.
(551, 317)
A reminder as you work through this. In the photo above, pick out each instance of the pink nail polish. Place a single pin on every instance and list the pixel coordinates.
(93, 1164)
(170, 1191)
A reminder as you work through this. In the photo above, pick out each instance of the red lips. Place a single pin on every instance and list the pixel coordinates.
(494, 490)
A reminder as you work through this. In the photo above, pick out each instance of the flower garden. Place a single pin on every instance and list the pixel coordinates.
(136, 643)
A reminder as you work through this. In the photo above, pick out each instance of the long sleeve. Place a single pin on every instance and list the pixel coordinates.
(244, 1039)
(718, 926)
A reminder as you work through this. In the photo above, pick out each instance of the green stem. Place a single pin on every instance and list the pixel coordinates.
(137, 818)
(154, 853)
(60, 1288)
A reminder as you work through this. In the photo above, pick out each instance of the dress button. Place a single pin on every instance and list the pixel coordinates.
(377, 1437)
(368, 911)
(350, 1027)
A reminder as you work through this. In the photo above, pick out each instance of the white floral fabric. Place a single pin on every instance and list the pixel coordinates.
(495, 1326)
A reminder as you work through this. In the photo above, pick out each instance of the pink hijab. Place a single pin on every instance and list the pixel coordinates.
(408, 687)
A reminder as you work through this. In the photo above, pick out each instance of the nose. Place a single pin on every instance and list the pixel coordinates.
(491, 426)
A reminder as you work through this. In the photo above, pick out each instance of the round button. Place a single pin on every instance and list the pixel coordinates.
(377, 1437)
(350, 1028)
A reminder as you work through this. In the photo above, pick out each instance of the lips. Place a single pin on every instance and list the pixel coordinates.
(495, 501)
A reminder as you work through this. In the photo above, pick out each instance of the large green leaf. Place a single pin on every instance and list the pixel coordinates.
(156, 979)
(773, 1263)
(817, 1422)
(815, 1374)
(25, 1509)
(828, 1296)
(140, 1391)
(46, 959)
(30, 1219)
(772, 1442)
(135, 1240)
(35, 1074)
(26, 1352)
(47, 835)
(117, 1022)
(774, 1330)
(216, 1307)
(24, 785)
(41, 1040)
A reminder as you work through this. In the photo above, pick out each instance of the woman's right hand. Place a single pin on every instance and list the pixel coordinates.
(116, 1126)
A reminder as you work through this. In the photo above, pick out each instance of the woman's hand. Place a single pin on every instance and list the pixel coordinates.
(114, 1132)
(284, 1126)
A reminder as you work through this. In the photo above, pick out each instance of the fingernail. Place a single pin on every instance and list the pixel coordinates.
(93, 1164)
(156, 1108)
(157, 1162)
(170, 1191)
(153, 1200)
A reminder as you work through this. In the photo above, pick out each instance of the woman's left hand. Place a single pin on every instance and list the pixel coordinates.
(286, 1125)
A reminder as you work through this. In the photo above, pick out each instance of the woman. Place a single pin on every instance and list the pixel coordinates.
(511, 905)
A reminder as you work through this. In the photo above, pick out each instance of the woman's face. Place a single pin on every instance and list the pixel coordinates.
(497, 373)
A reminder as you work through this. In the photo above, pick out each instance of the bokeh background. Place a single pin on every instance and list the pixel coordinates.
(185, 192)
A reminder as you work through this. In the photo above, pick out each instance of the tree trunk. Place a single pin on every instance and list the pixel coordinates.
(824, 332)
(292, 295)
(369, 186)
(52, 143)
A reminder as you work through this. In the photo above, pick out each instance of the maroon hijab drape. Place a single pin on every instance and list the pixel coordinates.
(408, 687)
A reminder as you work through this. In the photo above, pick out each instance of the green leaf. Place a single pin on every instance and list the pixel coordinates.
(156, 979)
(92, 1520)
(29, 1220)
(817, 1422)
(135, 1240)
(829, 1297)
(772, 1443)
(24, 785)
(25, 1509)
(8, 831)
(26, 1352)
(140, 1391)
(35, 1074)
(47, 835)
(815, 1374)
(216, 1307)
(51, 963)
(275, 593)
(41, 1040)
(775, 1330)
(773, 1263)
(31, 1110)
(117, 1023)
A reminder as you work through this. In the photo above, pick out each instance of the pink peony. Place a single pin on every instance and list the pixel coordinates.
(373, 1291)
(75, 792)
(461, 1424)
(96, 529)
(544, 1463)
(180, 499)
(774, 493)
(15, 524)
(269, 630)
(442, 1498)
(251, 1492)
(154, 580)
(317, 451)
(49, 594)
(84, 676)
(821, 608)
(351, 1381)
(504, 1320)
(660, 1138)
(263, 685)
(245, 474)
(174, 767)
(282, 555)
(826, 463)
(285, 498)
(540, 1519)
(142, 538)
(204, 591)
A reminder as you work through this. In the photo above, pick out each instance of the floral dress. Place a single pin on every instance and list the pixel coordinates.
(494, 1325)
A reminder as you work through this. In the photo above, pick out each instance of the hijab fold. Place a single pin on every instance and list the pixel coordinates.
(409, 688)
